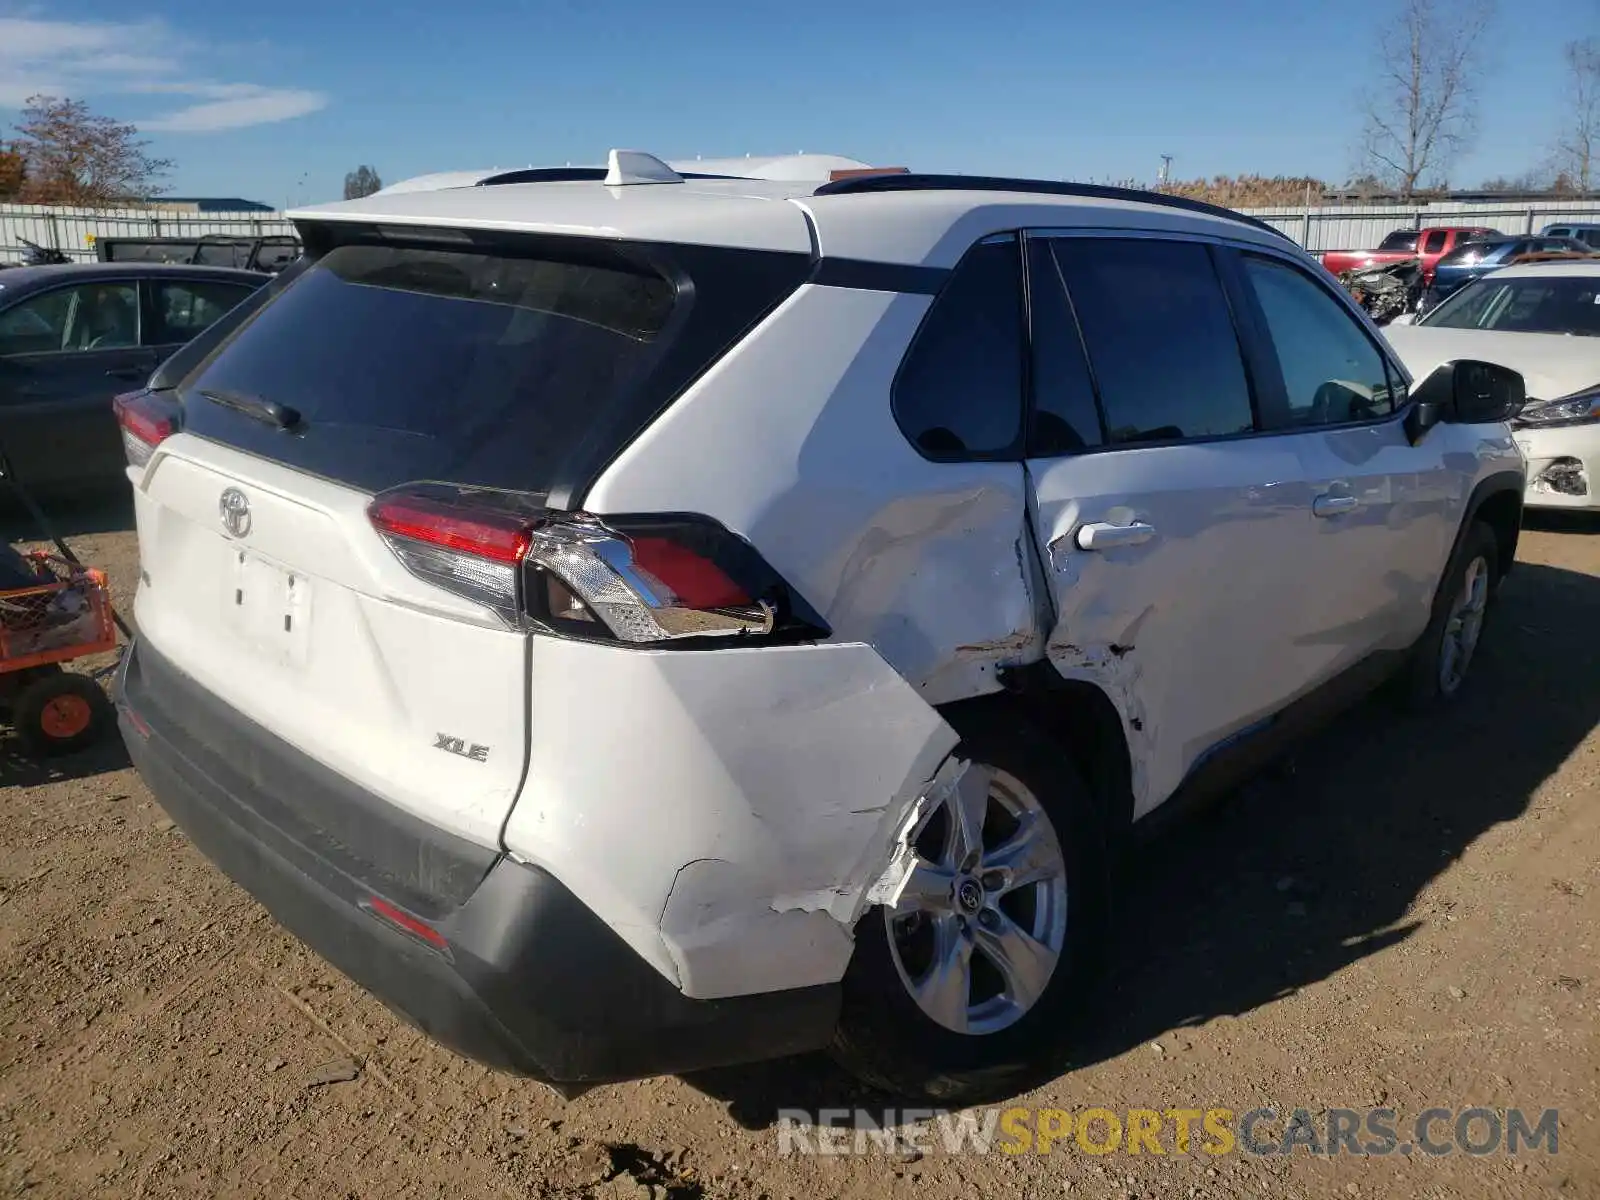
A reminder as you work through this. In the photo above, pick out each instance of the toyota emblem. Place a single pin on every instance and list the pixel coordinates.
(234, 506)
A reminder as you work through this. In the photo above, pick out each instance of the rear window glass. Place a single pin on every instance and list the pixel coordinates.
(442, 342)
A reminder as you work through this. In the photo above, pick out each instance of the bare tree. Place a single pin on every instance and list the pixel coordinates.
(1422, 110)
(363, 181)
(1576, 150)
(73, 156)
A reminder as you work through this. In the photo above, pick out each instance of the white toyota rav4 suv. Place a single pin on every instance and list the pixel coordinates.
(633, 623)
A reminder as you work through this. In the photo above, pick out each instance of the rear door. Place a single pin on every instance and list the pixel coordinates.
(182, 308)
(1177, 541)
(64, 353)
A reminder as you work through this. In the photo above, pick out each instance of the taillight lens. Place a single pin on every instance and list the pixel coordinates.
(643, 580)
(146, 422)
(459, 539)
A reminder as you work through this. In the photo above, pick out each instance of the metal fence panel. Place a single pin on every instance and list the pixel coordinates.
(74, 230)
(1361, 228)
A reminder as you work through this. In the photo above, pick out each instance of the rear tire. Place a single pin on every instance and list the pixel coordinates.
(60, 713)
(1443, 654)
(1002, 940)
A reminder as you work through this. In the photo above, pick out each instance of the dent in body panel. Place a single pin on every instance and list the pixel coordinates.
(729, 812)
(916, 558)
(723, 921)
(941, 585)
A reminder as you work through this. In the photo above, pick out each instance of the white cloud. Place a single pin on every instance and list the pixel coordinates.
(260, 107)
(84, 59)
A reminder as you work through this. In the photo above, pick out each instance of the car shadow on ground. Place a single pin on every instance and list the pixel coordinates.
(18, 769)
(1309, 869)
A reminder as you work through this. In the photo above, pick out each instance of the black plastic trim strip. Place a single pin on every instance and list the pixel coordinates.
(866, 276)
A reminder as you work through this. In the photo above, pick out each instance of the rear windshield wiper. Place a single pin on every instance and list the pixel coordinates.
(258, 407)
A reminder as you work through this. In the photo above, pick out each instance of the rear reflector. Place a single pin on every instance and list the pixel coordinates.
(146, 422)
(406, 923)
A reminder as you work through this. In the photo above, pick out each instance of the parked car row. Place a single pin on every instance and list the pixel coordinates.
(1391, 283)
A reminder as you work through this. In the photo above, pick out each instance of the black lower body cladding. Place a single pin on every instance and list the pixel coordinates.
(527, 980)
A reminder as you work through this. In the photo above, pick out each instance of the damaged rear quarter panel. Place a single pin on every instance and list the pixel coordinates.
(924, 561)
(725, 812)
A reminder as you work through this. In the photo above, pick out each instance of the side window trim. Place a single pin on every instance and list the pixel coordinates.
(1269, 394)
(1398, 379)
(1029, 397)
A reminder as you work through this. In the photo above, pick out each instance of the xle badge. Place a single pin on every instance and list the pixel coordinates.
(455, 745)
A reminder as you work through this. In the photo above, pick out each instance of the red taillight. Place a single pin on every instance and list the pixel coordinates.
(696, 581)
(465, 541)
(468, 528)
(645, 579)
(146, 423)
(419, 929)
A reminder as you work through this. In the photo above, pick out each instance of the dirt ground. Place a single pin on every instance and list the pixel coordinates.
(1410, 918)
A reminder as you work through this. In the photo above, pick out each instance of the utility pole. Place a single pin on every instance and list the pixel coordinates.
(1165, 174)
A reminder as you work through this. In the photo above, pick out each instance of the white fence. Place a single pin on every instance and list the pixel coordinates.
(74, 230)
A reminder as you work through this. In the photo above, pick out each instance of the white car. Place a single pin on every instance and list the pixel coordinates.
(1543, 321)
(633, 624)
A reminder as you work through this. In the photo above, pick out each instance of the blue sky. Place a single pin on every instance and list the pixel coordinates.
(276, 101)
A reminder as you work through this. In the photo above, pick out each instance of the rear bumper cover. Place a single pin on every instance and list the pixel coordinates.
(531, 981)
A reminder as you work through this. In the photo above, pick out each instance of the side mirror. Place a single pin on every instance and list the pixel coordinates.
(1467, 392)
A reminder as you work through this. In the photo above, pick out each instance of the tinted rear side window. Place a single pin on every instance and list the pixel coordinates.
(1160, 336)
(959, 391)
(1400, 239)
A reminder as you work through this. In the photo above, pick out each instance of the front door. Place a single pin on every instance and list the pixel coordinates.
(1384, 511)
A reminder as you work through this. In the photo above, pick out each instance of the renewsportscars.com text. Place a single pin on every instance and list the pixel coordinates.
(1369, 1132)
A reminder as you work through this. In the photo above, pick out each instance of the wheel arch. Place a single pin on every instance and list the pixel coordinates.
(1497, 502)
(1078, 714)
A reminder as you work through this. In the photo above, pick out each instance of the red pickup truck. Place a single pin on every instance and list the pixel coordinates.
(1430, 245)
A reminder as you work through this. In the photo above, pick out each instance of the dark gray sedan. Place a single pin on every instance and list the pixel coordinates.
(72, 337)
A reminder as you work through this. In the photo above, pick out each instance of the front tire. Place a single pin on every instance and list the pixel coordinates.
(1442, 656)
(967, 988)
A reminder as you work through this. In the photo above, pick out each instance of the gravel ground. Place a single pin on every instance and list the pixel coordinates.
(1408, 918)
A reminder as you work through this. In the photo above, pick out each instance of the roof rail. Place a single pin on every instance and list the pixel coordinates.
(862, 184)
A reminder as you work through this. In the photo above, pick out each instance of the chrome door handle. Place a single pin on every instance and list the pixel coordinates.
(1332, 506)
(1101, 535)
